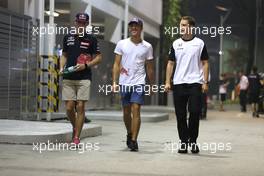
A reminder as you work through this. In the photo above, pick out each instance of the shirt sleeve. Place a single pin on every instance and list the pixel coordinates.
(204, 55)
(150, 53)
(259, 81)
(246, 80)
(172, 54)
(95, 46)
(118, 49)
(65, 47)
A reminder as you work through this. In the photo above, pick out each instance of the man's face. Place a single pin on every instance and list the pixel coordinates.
(185, 28)
(135, 29)
(81, 26)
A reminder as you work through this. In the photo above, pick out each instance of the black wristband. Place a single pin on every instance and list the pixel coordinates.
(86, 66)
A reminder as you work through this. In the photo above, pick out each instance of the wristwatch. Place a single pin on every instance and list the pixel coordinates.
(206, 82)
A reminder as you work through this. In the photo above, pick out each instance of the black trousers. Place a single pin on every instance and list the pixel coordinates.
(203, 113)
(243, 100)
(191, 95)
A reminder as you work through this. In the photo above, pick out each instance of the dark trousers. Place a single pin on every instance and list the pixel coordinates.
(243, 100)
(204, 106)
(187, 94)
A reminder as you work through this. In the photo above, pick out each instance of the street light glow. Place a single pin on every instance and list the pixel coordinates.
(221, 8)
(54, 13)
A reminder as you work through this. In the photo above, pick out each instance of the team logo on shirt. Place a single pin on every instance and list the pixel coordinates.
(70, 39)
(85, 43)
(253, 76)
(179, 47)
(70, 43)
(124, 71)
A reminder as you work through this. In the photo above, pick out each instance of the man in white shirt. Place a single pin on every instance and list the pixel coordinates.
(243, 86)
(223, 90)
(190, 79)
(132, 55)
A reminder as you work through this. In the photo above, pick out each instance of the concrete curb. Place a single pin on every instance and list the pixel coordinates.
(160, 109)
(29, 132)
(117, 116)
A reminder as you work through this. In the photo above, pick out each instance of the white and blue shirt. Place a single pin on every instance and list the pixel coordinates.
(188, 56)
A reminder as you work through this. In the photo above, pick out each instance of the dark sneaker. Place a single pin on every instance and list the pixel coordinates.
(183, 148)
(255, 114)
(194, 148)
(86, 120)
(129, 138)
(133, 146)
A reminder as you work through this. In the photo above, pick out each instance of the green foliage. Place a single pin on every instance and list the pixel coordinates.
(238, 58)
(171, 18)
(172, 12)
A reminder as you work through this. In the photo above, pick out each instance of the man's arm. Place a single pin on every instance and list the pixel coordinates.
(150, 71)
(116, 70)
(169, 70)
(96, 51)
(246, 79)
(97, 60)
(205, 64)
(97, 57)
(227, 83)
(63, 60)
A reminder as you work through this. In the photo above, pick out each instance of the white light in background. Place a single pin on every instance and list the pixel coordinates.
(55, 13)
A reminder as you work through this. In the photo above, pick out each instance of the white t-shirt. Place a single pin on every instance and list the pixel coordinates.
(133, 61)
(188, 56)
(243, 84)
(222, 89)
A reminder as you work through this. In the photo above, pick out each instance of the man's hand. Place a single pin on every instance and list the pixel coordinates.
(167, 87)
(115, 87)
(205, 88)
(169, 70)
(62, 62)
(80, 67)
(61, 71)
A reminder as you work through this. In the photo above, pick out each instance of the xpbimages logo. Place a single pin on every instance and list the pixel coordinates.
(147, 89)
(56, 146)
(212, 31)
(212, 147)
(65, 30)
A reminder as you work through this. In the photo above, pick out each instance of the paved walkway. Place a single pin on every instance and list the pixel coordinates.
(236, 143)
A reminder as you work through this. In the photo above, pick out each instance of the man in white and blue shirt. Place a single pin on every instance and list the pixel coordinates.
(133, 55)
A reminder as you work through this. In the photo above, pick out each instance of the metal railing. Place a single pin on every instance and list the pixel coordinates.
(18, 61)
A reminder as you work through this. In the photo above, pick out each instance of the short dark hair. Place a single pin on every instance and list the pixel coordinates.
(255, 69)
(241, 71)
(190, 20)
